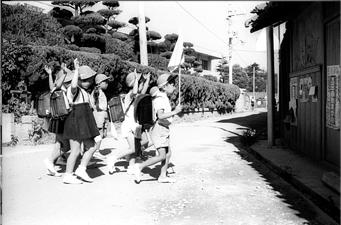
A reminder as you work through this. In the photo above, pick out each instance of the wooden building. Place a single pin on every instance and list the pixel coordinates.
(309, 71)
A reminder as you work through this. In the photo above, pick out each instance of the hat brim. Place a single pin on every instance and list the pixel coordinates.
(169, 79)
(98, 82)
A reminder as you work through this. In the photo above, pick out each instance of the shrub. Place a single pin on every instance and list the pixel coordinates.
(92, 50)
(158, 62)
(196, 92)
(24, 26)
(211, 78)
(120, 48)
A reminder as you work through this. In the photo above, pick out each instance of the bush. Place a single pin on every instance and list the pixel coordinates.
(211, 78)
(93, 40)
(196, 92)
(92, 50)
(24, 26)
(158, 62)
(120, 48)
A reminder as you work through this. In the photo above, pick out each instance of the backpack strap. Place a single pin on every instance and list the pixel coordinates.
(76, 95)
(132, 101)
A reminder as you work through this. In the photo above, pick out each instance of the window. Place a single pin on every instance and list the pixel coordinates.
(204, 64)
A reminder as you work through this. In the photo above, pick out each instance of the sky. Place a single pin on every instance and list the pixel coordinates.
(203, 23)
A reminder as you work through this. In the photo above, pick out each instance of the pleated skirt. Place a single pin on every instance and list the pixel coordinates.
(80, 123)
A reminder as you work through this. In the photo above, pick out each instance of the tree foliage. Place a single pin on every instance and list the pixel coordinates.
(77, 6)
(25, 26)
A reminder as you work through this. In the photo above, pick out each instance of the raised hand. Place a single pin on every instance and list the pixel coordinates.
(76, 63)
(178, 109)
(63, 66)
(48, 69)
(146, 76)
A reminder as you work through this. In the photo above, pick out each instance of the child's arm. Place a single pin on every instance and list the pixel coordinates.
(49, 72)
(146, 83)
(136, 83)
(162, 115)
(60, 82)
(74, 82)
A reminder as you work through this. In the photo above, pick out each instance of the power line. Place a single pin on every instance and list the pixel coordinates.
(200, 23)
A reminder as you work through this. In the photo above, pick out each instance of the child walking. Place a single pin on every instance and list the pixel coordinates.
(100, 103)
(130, 130)
(80, 125)
(160, 132)
(56, 125)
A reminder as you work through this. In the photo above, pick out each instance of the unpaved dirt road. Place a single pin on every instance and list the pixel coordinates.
(215, 185)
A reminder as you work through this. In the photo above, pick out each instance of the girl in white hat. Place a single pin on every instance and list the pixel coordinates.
(56, 125)
(80, 125)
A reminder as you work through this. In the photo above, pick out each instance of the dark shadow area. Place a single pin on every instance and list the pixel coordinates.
(255, 121)
(155, 172)
(287, 193)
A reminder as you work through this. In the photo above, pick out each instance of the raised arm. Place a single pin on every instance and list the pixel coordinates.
(146, 83)
(74, 82)
(49, 72)
(136, 83)
(60, 81)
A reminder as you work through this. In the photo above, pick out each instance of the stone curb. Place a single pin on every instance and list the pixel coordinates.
(323, 203)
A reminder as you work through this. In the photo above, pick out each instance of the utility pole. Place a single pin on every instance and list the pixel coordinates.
(253, 83)
(230, 14)
(143, 36)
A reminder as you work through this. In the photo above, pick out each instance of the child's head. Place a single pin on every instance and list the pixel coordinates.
(154, 91)
(86, 77)
(166, 83)
(101, 80)
(130, 79)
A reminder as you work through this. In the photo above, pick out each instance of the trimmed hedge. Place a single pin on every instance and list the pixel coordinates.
(196, 92)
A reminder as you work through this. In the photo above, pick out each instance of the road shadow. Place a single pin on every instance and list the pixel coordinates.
(255, 121)
(283, 190)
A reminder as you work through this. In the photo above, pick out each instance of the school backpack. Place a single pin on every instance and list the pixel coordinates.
(44, 105)
(59, 104)
(116, 112)
(144, 110)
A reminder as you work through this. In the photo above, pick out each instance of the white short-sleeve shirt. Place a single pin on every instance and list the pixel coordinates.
(82, 97)
(161, 102)
(102, 100)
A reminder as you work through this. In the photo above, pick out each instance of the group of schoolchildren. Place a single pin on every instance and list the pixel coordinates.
(81, 131)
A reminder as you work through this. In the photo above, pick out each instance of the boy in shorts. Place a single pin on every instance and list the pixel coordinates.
(160, 131)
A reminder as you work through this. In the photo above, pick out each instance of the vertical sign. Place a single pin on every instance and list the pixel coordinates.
(333, 97)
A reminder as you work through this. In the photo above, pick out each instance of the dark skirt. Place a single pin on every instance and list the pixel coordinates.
(57, 125)
(80, 123)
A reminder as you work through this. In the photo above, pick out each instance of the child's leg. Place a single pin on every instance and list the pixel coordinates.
(71, 160)
(151, 161)
(55, 152)
(164, 164)
(69, 178)
(89, 150)
(50, 161)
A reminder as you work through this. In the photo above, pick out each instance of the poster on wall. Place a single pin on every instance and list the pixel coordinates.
(305, 84)
(293, 88)
(333, 97)
(293, 100)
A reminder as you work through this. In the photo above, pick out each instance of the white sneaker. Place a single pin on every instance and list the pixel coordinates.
(81, 173)
(50, 168)
(71, 179)
(137, 172)
(166, 180)
(111, 164)
(130, 170)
